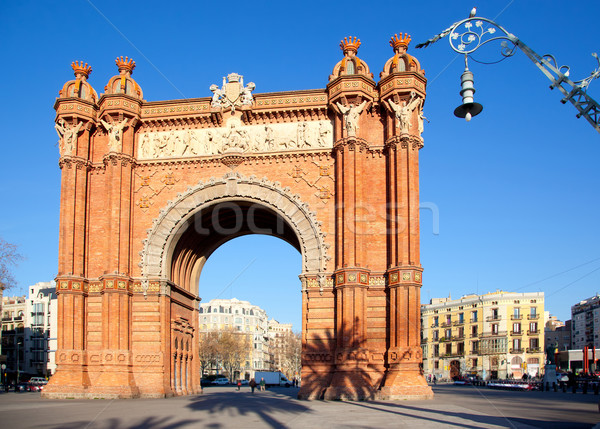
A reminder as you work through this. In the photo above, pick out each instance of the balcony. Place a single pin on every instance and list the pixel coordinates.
(446, 325)
(534, 349)
(458, 337)
(533, 316)
(475, 351)
(536, 332)
(424, 340)
(494, 334)
(474, 335)
(435, 325)
(458, 322)
(493, 318)
(516, 351)
(516, 333)
(516, 317)
(473, 320)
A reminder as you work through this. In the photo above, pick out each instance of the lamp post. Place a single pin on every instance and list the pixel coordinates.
(468, 35)
(18, 372)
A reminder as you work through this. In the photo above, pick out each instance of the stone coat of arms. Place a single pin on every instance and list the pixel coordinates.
(233, 93)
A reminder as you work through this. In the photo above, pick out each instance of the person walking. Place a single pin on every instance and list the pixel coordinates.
(252, 385)
(262, 384)
(239, 384)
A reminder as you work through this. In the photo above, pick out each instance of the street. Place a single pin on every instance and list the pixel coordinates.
(225, 407)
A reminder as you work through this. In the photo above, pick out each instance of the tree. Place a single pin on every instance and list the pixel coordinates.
(208, 350)
(233, 348)
(9, 258)
(292, 352)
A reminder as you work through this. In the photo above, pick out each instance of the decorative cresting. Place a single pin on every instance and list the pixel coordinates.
(123, 83)
(401, 61)
(350, 64)
(155, 255)
(79, 88)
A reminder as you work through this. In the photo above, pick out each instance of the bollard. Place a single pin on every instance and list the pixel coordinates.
(554, 387)
(564, 387)
(584, 388)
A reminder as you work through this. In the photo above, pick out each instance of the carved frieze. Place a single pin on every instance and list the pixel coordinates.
(235, 137)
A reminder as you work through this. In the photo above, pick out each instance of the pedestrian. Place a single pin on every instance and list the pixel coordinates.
(262, 384)
(252, 385)
(434, 379)
(239, 384)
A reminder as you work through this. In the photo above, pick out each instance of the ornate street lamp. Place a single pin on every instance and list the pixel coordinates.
(470, 34)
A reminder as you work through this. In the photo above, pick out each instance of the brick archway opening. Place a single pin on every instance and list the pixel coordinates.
(191, 228)
(215, 225)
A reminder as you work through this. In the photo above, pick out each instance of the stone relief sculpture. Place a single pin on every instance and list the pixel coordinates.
(247, 98)
(67, 136)
(404, 111)
(115, 134)
(351, 114)
(235, 137)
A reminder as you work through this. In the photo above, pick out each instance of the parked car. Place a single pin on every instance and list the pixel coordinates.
(221, 381)
(34, 387)
(22, 387)
(245, 382)
(38, 380)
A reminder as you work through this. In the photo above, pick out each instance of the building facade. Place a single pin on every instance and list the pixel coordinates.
(585, 323)
(559, 333)
(41, 327)
(12, 338)
(280, 343)
(496, 335)
(246, 319)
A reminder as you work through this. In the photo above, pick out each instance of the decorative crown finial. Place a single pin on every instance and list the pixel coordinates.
(350, 45)
(79, 68)
(125, 64)
(399, 43)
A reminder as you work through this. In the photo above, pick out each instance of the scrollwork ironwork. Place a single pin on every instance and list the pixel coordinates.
(476, 34)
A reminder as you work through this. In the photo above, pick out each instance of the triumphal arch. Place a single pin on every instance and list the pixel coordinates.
(151, 188)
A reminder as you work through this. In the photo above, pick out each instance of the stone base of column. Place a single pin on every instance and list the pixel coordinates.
(351, 385)
(314, 382)
(404, 384)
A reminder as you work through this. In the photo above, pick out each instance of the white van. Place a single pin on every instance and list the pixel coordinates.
(38, 380)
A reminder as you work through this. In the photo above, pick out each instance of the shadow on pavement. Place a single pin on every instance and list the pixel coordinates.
(113, 423)
(441, 416)
(258, 407)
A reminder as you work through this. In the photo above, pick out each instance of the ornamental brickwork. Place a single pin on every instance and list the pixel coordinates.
(150, 189)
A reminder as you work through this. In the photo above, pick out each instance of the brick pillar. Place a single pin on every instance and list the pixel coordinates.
(352, 376)
(71, 376)
(404, 355)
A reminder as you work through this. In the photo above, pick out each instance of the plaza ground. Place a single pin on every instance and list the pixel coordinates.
(225, 407)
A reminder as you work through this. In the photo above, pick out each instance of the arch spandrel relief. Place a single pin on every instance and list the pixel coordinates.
(236, 137)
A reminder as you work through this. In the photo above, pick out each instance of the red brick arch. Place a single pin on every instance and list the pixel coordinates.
(146, 186)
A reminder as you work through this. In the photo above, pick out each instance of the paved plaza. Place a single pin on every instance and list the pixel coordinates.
(225, 407)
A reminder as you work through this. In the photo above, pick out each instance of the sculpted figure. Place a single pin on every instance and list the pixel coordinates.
(351, 114)
(422, 118)
(145, 146)
(269, 139)
(303, 140)
(67, 136)
(115, 134)
(247, 93)
(404, 111)
(323, 135)
(217, 96)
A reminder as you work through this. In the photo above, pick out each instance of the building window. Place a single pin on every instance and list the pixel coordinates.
(495, 329)
(448, 319)
(533, 328)
(533, 311)
(436, 364)
(435, 321)
(516, 345)
(474, 331)
(436, 335)
(461, 318)
(474, 362)
(474, 316)
(516, 328)
(448, 334)
(436, 350)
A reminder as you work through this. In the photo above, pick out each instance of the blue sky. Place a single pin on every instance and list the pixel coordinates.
(516, 188)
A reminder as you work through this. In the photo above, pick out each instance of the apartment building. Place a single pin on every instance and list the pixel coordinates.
(496, 335)
(244, 318)
(585, 323)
